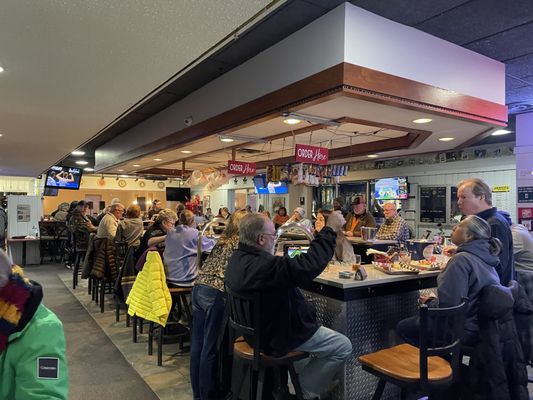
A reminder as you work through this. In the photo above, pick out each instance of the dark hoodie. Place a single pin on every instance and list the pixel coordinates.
(468, 271)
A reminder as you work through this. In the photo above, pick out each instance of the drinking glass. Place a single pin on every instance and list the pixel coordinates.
(357, 263)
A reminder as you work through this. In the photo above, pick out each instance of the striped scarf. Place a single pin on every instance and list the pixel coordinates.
(13, 298)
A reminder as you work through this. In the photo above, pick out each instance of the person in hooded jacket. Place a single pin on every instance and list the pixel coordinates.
(32, 341)
(472, 268)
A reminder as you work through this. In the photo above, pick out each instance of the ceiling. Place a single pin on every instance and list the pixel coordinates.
(79, 73)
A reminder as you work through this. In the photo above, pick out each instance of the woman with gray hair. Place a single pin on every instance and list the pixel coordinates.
(470, 270)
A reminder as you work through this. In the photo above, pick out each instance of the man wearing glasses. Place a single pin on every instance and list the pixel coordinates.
(288, 320)
(109, 224)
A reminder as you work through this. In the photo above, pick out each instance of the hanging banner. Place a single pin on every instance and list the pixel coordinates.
(311, 154)
(241, 168)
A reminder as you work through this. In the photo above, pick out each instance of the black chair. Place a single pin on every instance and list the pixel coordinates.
(61, 240)
(245, 320)
(47, 242)
(422, 369)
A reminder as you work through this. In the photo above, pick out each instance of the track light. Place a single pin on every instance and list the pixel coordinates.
(244, 180)
(235, 181)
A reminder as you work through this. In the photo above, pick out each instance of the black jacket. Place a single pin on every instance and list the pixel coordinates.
(497, 370)
(500, 229)
(287, 319)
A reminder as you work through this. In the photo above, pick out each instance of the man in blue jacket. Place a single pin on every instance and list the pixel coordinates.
(288, 321)
(474, 197)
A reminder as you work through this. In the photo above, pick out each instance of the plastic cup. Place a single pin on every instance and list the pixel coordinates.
(357, 263)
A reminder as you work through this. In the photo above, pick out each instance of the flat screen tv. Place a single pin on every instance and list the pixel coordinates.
(391, 189)
(59, 177)
(178, 194)
(50, 192)
(272, 188)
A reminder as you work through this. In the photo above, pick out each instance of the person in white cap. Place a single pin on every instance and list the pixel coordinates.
(298, 215)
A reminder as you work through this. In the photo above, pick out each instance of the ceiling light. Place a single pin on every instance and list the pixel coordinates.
(81, 162)
(314, 119)
(186, 151)
(372, 156)
(78, 153)
(292, 121)
(227, 139)
(136, 165)
(242, 138)
(446, 139)
(120, 170)
(500, 132)
(422, 120)
(88, 169)
(2, 69)
(158, 159)
(1, 134)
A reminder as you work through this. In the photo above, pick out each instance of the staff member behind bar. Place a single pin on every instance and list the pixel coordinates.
(288, 321)
(358, 218)
(394, 227)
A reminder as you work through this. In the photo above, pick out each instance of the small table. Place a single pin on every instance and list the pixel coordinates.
(24, 248)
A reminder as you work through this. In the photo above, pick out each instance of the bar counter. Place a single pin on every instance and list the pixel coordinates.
(367, 313)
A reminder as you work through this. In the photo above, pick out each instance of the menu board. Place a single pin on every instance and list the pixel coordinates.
(433, 204)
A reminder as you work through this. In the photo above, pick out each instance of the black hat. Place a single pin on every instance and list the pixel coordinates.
(82, 203)
(356, 200)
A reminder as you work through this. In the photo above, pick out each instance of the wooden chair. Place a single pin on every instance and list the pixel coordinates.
(245, 320)
(422, 369)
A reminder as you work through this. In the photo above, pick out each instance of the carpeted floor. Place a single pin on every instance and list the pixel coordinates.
(97, 369)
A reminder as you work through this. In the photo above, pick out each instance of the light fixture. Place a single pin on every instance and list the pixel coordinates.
(227, 139)
(124, 176)
(120, 170)
(88, 169)
(372, 156)
(314, 119)
(116, 178)
(242, 138)
(158, 159)
(81, 162)
(186, 151)
(136, 165)
(78, 153)
(244, 180)
(292, 121)
(446, 139)
(2, 69)
(136, 179)
(500, 132)
(1, 134)
(235, 181)
(422, 120)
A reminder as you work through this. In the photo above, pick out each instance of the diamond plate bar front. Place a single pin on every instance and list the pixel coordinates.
(369, 323)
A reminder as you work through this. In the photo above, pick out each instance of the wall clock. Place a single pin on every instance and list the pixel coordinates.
(122, 183)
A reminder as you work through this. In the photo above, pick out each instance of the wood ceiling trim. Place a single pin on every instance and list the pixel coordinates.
(164, 172)
(367, 84)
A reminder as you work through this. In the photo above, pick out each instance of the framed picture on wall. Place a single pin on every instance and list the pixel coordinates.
(277, 202)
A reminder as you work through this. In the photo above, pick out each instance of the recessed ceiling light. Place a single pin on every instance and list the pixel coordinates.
(422, 120)
(372, 156)
(136, 165)
(78, 153)
(2, 69)
(292, 121)
(446, 139)
(120, 170)
(500, 132)
(158, 159)
(81, 162)
(227, 139)
(88, 169)
(186, 151)
(1, 134)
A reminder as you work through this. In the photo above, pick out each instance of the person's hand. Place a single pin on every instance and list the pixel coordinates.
(348, 233)
(449, 250)
(336, 221)
(5, 268)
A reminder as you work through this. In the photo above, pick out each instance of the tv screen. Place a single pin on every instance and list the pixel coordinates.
(50, 192)
(296, 250)
(272, 188)
(59, 177)
(260, 181)
(178, 194)
(391, 189)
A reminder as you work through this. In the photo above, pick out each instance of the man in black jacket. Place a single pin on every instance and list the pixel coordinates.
(474, 197)
(288, 321)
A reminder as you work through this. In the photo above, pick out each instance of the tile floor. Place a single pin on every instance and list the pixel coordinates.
(171, 380)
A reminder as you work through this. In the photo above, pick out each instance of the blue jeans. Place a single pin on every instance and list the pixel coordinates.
(327, 350)
(208, 307)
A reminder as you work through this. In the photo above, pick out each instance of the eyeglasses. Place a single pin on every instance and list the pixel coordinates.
(268, 234)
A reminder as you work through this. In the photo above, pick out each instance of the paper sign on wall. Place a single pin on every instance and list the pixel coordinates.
(241, 168)
(311, 154)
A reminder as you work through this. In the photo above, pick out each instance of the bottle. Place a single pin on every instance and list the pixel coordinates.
(35, 232)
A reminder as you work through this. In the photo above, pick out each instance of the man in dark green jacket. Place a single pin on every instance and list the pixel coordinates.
(32, 342)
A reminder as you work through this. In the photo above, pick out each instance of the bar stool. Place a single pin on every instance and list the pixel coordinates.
(421, 369)
(180, 301)
(244, 319)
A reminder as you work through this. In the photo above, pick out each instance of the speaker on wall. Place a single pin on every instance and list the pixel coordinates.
(102, 205)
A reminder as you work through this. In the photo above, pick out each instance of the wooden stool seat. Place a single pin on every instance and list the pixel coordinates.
(402, 362)
(244, 350)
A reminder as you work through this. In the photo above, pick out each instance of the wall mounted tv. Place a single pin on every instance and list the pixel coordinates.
(273, 188)
(391, 189)
(178, 194)
(61, 177)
